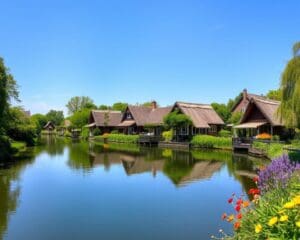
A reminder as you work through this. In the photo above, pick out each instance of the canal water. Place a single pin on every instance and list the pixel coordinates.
(78, 190)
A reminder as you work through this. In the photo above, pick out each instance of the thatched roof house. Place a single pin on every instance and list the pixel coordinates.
(136, 118)
(105, 120)
(241, 104)
(49, 126)
(204, 118)
(261, 117)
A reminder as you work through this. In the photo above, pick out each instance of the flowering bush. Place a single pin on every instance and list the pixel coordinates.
(264, 136)
(276, 174)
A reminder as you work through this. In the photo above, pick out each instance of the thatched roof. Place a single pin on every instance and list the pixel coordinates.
(49, 125)
(202, 115)
(107, 118)
(147, 115)
(248, 97)
(268, 109)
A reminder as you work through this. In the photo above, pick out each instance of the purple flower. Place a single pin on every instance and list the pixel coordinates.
(276, 174)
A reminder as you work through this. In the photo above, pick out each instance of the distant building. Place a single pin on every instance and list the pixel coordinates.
(49, 126)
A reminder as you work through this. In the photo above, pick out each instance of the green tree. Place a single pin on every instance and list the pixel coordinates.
(222, 110)
(80, 118)
(78, 103)
(289, 109)
(104, 107)
(235, 118)
(40, 121)
(56, 117)
(274, 95)
(21, 127)
(176, 120)
(119, 106)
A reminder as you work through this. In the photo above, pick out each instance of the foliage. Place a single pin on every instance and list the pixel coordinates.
(119, 106)
(168, 135)
(272, 150)
(121, 138)
(85, 133)
(276, 138)
(225, 133)
(276, 174)
(5, 148)
(114, 132)
(80, 118)
(289, 109)
(176, 120)
(79, 103)
(274, 94)
(40, 121)
(222, 110)
(206, 141)
(96, 132)
(235, 118)
(104, 107)
(56, 117)
(21, 127)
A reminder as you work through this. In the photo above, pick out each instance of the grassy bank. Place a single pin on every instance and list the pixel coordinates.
(117, 138)
(206, 141)
(271, 150)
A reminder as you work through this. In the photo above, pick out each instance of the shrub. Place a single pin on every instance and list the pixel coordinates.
(85, 133)
(96, 132)
(168, 135)
(206, 141)
(225, 133)
(5, 148)
(122, 138)
(271, 150)
(276, 138)
(114, 132)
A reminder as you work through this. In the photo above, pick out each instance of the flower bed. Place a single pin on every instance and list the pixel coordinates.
(274, 212)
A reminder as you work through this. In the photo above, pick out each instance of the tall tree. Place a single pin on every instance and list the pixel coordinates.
(8, 92)
(119, 106)
(222, 110)
(274, 94)
(290, 90)
(78, 103)
(55, 117)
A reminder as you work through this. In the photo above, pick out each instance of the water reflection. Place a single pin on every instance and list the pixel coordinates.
(181, 167)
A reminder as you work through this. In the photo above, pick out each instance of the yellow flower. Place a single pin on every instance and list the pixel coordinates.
(298, 224)
(283, 218)
(290, 204)
(258, 228)
(273, 221)
(296, 200)
(230, 218)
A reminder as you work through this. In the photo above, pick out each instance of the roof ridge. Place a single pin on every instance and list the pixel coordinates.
(104, 111)
(203, 105)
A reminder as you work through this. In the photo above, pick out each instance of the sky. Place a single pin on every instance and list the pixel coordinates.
(136, 51)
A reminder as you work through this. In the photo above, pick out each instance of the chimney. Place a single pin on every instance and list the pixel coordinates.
(245, 94)
(153, 104)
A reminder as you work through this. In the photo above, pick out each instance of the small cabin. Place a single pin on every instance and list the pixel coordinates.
(50, 127)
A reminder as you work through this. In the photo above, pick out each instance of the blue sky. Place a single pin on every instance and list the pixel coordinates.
(136, 51)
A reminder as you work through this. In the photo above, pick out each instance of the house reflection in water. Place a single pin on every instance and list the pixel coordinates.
(180, 167)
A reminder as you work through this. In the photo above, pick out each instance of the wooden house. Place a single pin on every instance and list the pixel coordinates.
(50, 127)
(261, 117)
(205, 120)
(143, 119)
(104, 120)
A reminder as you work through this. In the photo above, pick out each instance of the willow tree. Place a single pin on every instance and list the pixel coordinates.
(289, 110)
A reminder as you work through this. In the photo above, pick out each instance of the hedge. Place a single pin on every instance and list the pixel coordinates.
(121, 138)
(207, 141)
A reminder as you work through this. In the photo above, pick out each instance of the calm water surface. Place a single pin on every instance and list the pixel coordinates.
(73, 190)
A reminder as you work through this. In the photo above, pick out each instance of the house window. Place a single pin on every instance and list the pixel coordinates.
(243, 109)
(128, 115)
(213, 128)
